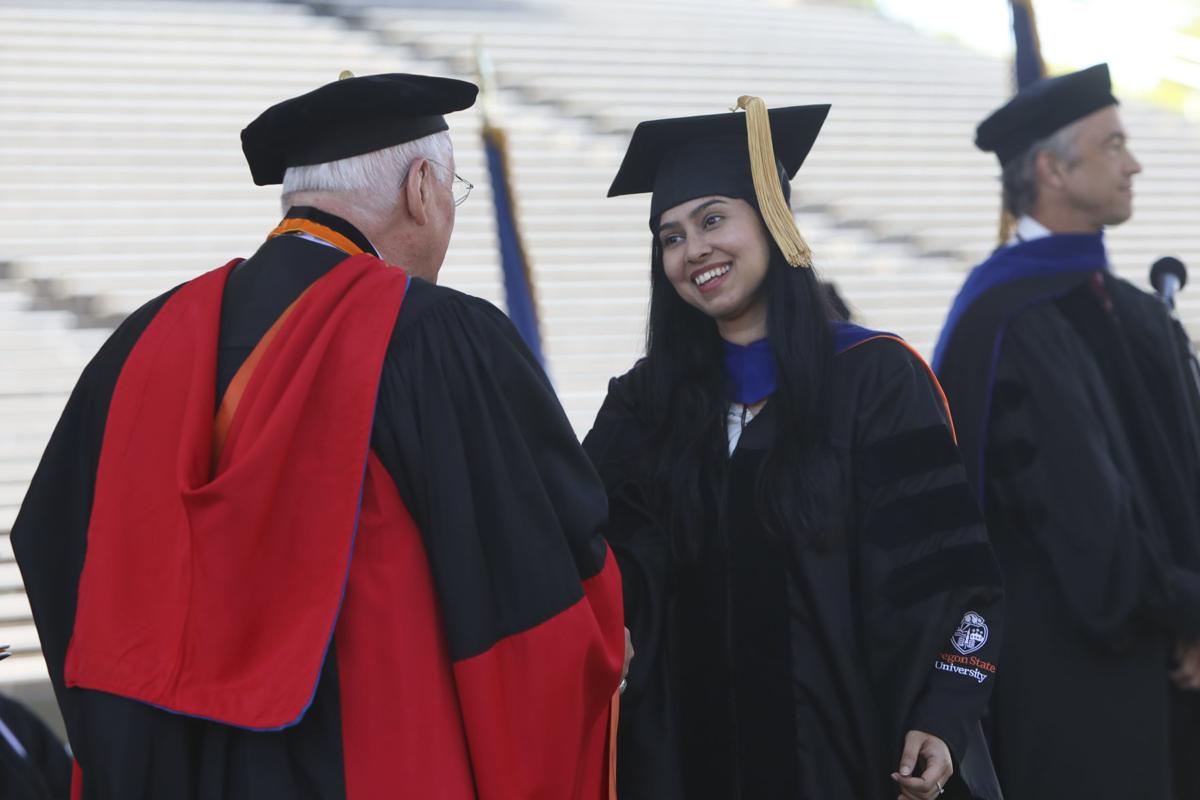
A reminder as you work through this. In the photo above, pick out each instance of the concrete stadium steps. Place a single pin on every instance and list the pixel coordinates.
(43, 355)
(904, 107)
(598, 67)
(562, 167)
(25, 665)
(132, 116)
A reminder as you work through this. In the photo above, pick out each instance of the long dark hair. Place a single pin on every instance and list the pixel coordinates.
(689, 398)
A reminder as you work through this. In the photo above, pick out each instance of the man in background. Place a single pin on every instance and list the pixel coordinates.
(1077, 424)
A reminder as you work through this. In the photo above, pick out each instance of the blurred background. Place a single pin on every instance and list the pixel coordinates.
(121, 172)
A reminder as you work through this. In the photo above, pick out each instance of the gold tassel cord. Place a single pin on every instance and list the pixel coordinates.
(767, 189)
(1008, 224)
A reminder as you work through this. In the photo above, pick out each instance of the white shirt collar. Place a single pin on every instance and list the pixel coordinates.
(1029, 229)
(736, 420)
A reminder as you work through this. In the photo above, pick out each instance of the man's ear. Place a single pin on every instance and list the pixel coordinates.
(1048, 170)
(418, 190)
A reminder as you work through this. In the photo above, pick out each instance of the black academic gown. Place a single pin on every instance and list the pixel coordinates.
(774, 670)
(38, 767)
(465, 418)
(1083, 449)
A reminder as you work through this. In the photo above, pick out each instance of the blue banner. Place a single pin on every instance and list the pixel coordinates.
(518, 282)
(1027, 62)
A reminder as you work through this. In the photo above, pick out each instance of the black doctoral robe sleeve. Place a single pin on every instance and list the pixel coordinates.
(489, 467)
(1054, 423)
(928, 575)
(511, 513)
(618, 444)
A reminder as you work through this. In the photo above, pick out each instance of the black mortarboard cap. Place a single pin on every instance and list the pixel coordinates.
(348, 118)
(1042, 108)
(683, 158)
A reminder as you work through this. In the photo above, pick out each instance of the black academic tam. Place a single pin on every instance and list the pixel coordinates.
(1042, 108)
(350, 117)
(682, 158)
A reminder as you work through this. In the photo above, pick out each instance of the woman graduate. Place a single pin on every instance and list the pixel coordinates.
(812, 597)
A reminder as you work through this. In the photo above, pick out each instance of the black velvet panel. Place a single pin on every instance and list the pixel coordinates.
(1033, 513)
(913, 518)
(761, 648)
(1007, 396)
(1007, 459)
(907, 454)
(950, 568)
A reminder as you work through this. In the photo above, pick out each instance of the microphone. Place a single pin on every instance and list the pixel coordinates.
(1168, 275)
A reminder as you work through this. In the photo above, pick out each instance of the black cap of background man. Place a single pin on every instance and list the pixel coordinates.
(1042, 108)
(350, 117)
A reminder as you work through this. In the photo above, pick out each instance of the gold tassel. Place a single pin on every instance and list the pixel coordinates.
(767, 189)
(1008, 223)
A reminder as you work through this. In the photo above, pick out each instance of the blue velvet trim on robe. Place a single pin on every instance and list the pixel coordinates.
(1056, 254)
(751, 370)
(751, 367)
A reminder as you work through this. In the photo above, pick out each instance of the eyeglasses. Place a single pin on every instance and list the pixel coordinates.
(460, 187)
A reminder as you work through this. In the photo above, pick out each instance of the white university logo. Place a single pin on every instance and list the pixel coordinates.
(971, 635)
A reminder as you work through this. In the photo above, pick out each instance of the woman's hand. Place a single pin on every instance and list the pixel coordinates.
(1186, 674)
(932, 754)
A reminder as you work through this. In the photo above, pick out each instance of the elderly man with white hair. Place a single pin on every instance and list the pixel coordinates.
(312, 526)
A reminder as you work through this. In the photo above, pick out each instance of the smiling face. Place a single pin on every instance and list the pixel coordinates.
(715, 254)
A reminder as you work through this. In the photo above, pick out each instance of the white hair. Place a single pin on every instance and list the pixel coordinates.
(370, 182)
